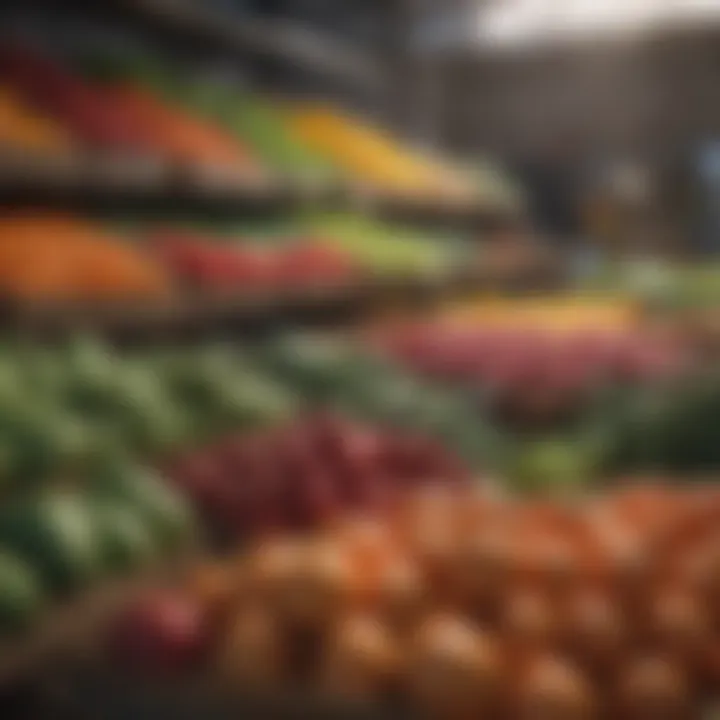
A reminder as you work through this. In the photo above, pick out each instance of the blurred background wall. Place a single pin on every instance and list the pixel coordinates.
(649, 95)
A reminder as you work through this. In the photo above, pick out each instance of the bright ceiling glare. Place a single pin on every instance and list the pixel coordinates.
(524, 24)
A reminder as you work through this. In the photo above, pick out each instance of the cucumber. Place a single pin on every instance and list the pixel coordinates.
(54, 532)
(126, 540)
(168, 516)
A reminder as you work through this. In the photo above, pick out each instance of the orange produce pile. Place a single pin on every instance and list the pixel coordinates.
(467, 606)
(58, 258)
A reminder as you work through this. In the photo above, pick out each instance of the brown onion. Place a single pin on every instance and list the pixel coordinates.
(361, 659)
(653, 688)
(530, 621)
(252, 651)
(453, 668)
(553, 689)
(306, 582)
(594, 629)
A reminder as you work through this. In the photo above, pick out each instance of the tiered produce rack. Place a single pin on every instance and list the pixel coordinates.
(379, 412)
(97, 183)
(94, 184)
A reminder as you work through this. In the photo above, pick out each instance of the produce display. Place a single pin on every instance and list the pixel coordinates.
(457, 603)
(89, 116)
(178, 136)
(304, 474)
(674, 431)
(355, 467)
(571, 410)
(575, 389)
(59, 542)
(66, 258)
(544, 411)
(565, 312)
(63, 409)
(66, 409)
(50, 256)
(534, 375)
(139, 105)
(301, 253)
(662, 284)
(248, 440)
(215, 97)
(117, 119)
(494, 508)
(374, 157)
(202, 263)
(687, 295)
(391, 249)
(333, 374)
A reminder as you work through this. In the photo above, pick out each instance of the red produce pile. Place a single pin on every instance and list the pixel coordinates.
(531, 371)
(301, 475)
(203, 263)
(497, 356)
(92, 116)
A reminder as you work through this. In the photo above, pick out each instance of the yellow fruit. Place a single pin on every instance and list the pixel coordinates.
(373, 156)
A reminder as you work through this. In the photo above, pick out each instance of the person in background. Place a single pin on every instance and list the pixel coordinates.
(552, 177)
(619, 209)
(555, 177)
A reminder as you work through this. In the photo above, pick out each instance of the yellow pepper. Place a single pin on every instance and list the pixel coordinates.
(562, 314)
(370, 154)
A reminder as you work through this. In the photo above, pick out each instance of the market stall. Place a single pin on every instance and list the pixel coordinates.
(290, 426)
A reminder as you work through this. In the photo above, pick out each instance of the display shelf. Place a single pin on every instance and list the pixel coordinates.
(251, 36)
(88, 182)
(196, 317)
(472, 213)
(97, 181)
(119, 698)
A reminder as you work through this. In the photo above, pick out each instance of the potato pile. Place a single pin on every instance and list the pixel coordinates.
(463, 605)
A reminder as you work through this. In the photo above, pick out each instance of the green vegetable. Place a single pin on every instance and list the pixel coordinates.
(21, 594)
(56, 533)
(166, 512)
(125, 539)
(555, 467)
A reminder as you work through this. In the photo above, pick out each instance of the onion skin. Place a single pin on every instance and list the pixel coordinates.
(362, 659)
(553, 689)
(454, 670)
(402, 596)
(594, 631)
(472, 607)
(653, 688)
(481, 570)
(306, 583)
(530, 621)
(680, 623)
